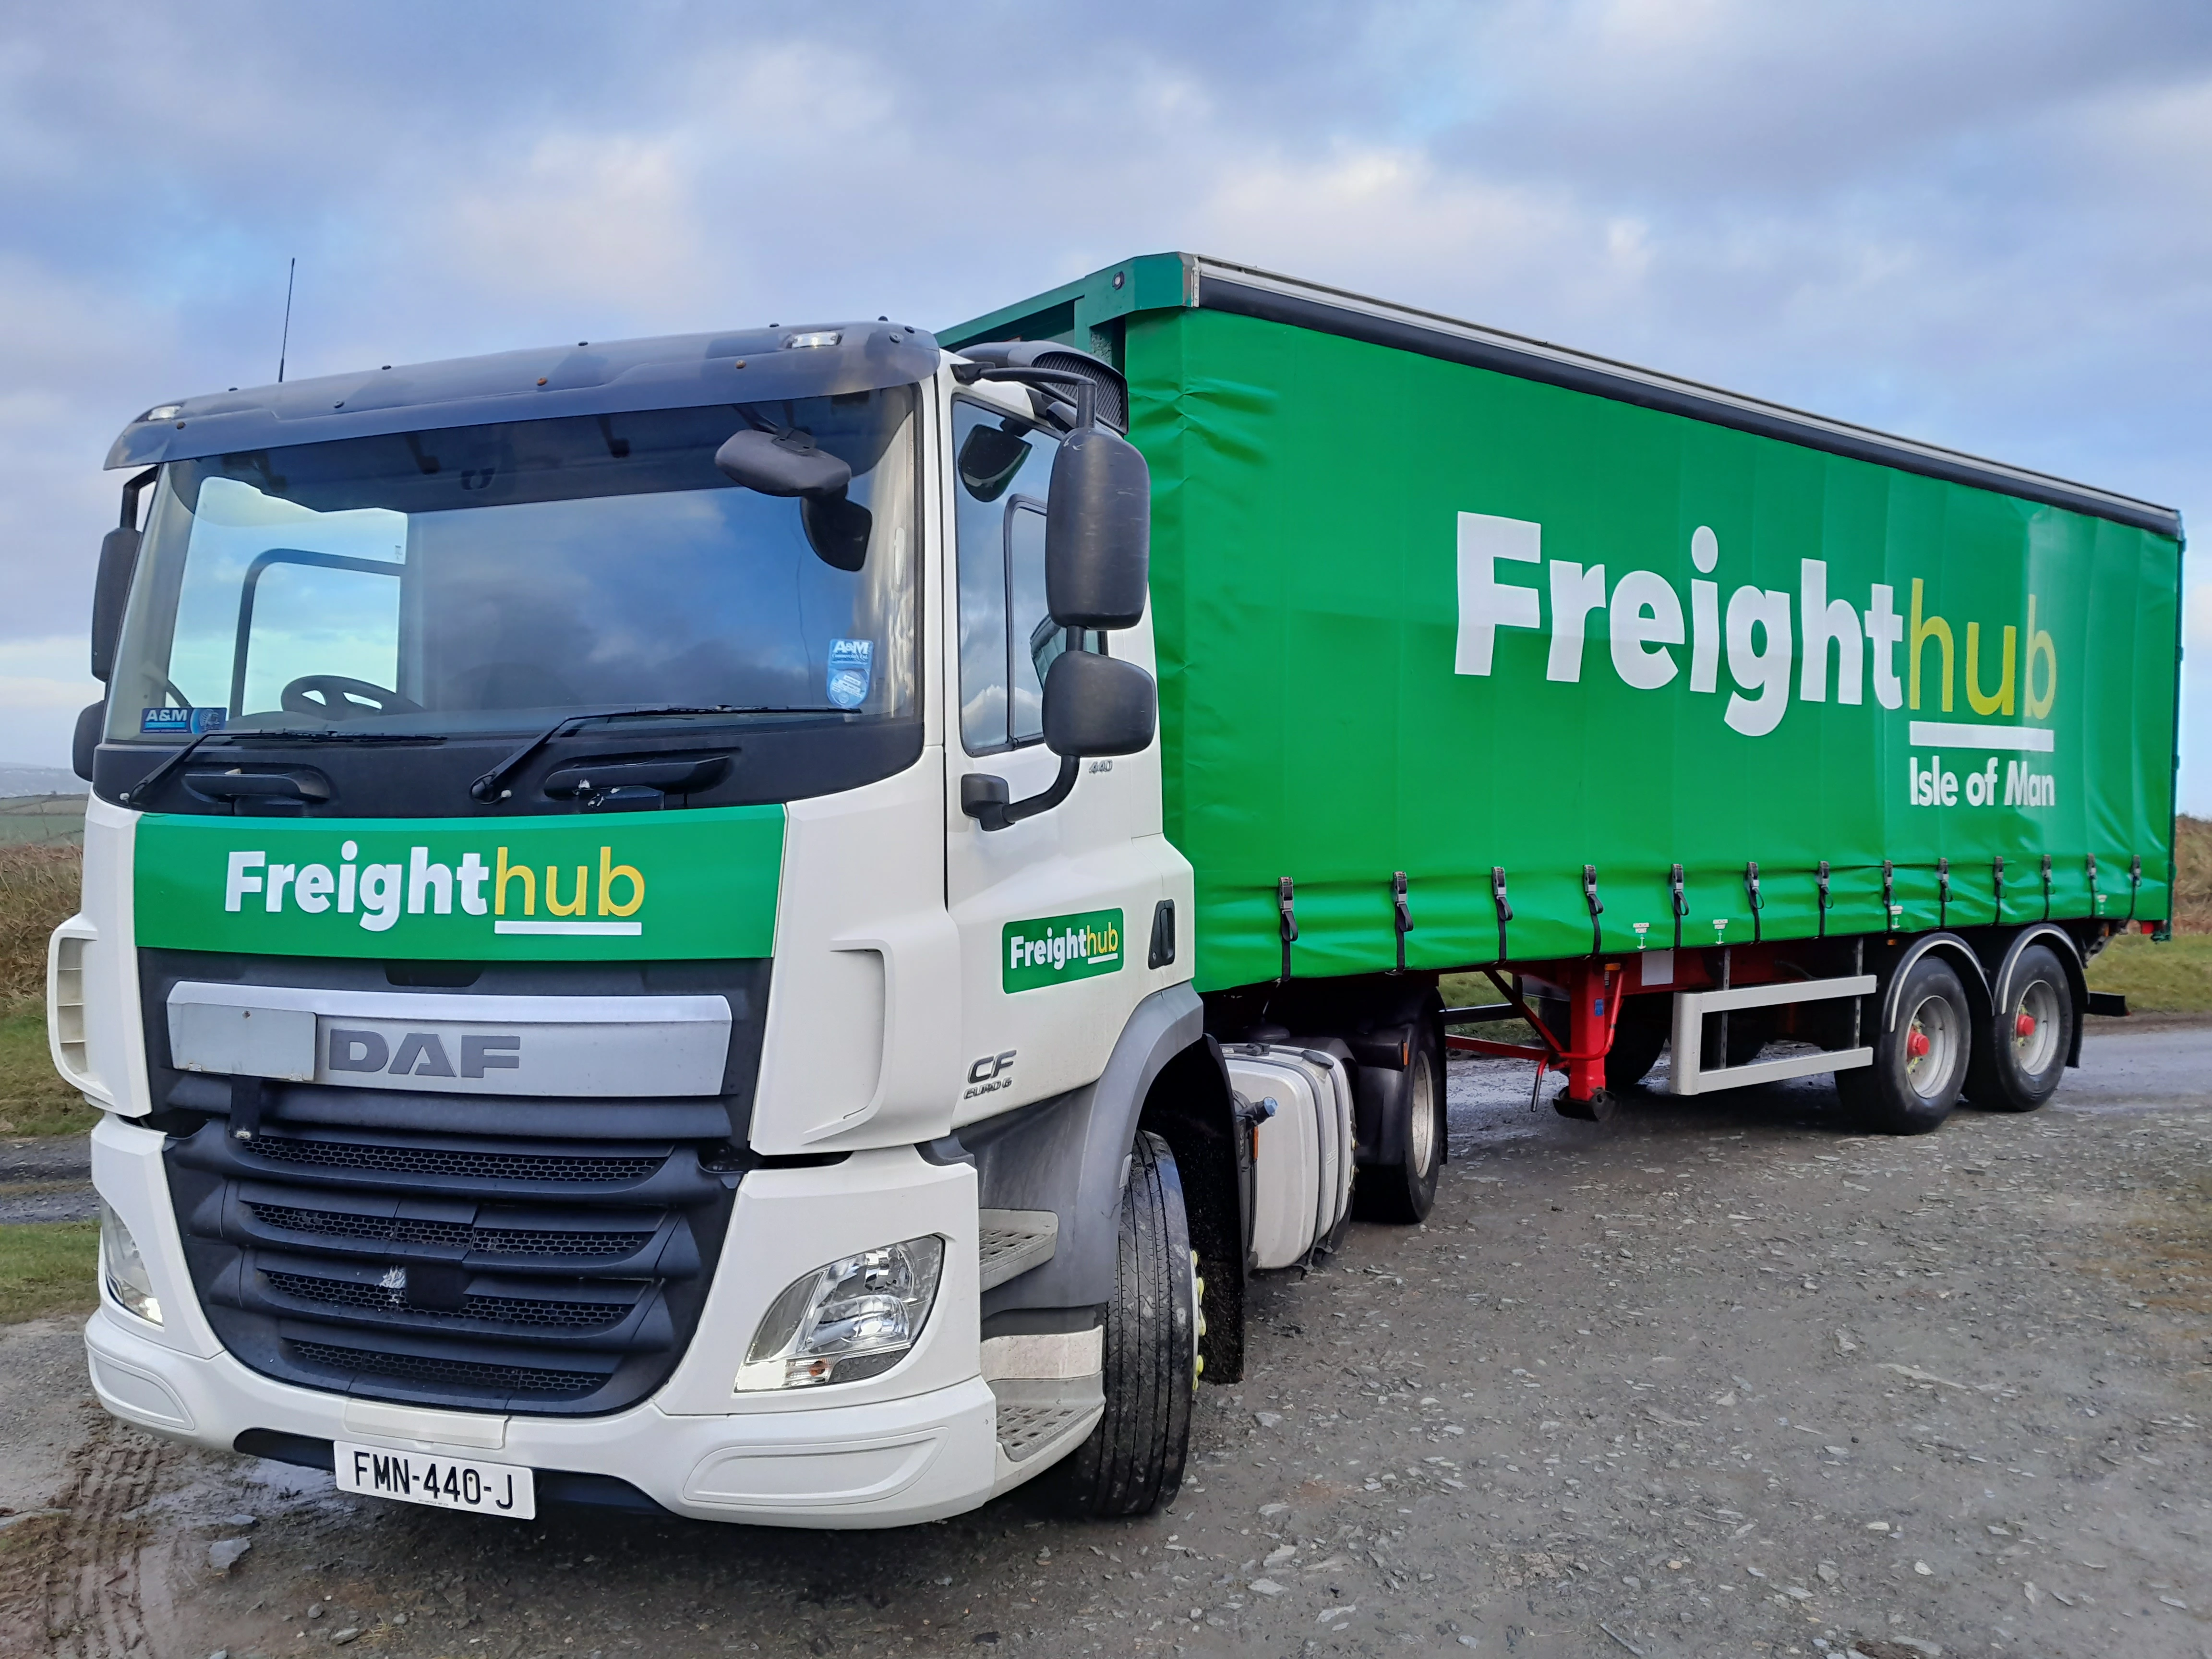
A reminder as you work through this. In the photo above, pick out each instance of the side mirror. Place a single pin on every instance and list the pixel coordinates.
(990, 459)
(1098, 534)
(787, 464)
(118, 558)
(837, 529)
(91, 722)
(1095, 705)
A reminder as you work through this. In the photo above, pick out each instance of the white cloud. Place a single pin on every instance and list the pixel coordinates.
(1388, 220)
(585, 217)
(42, 685)
(2196, 632)
(57, 660)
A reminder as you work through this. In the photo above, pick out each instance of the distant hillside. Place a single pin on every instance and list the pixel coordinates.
(38, 780)
(42, 820)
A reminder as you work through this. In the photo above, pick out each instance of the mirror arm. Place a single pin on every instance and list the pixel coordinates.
(131, 490)
(983, 796)
(1085, 388)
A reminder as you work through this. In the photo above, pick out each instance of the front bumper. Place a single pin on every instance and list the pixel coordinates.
(886, 1463)
(916, 1443)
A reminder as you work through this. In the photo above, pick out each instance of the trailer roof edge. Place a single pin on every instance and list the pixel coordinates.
(1168, 281)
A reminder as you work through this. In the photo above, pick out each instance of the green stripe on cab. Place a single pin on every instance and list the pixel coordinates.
(614, 887)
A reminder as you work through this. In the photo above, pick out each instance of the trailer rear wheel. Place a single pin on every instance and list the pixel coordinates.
(1133, 1461)
(2022, 1056)
(1645, 1025)
(1749, 1031)
(1403, 1190)
(1920, 1064)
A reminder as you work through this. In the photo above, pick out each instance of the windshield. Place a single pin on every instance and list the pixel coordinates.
(492, 579)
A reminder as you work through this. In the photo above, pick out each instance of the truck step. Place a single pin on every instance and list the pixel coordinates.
(1012, 1242)
(1045, 1413)
(1023, 1430)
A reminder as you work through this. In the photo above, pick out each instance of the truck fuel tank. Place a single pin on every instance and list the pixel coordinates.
(1301, 1152)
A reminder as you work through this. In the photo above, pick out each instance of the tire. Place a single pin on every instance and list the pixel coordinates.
(1750, 1030)
(1403, 1191)
(1919, 1067)
(2016, 1070)
(1558, 1015)
(1133, 1461)
(1636, 1040)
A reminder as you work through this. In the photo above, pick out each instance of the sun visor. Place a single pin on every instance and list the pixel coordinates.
(679, 371)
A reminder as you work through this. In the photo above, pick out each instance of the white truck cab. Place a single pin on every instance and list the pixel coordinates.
(627, 948)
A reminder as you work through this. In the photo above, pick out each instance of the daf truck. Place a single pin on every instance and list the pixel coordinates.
(771, 925)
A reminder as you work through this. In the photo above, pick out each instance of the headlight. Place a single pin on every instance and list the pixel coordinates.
(850, 1319)
(123, 1270)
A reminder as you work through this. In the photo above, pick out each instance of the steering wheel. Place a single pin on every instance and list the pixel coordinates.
(338, 697)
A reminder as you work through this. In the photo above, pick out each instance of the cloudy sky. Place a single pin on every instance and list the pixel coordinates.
(1985, 224)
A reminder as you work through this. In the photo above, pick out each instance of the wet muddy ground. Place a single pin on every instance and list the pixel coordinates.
(1717, 1378)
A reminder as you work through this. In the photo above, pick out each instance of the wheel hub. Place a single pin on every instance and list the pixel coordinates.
(2037, 1027)
(1931, 1048)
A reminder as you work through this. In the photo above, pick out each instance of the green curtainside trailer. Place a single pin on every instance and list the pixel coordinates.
(1601, 662)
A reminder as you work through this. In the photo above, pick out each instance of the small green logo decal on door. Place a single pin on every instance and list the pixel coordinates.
(1053, 950)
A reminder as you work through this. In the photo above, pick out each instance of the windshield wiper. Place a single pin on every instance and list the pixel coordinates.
(138, 792)
(489, 788)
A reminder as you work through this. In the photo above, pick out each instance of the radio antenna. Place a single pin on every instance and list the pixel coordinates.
(285, 347)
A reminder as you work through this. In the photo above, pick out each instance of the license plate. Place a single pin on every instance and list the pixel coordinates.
(442, 1482)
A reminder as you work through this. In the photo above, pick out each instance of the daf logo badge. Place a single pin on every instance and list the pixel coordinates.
(423, 1053)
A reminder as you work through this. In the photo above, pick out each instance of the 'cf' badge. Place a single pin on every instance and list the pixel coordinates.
(991, 1066)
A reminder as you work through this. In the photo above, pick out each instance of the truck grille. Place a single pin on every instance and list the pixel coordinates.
(451, 1165)
(461, 1235)
(521, 1311)
(468, 1271)
(472, 1375)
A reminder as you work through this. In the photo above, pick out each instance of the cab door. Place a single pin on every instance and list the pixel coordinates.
(1056, 912)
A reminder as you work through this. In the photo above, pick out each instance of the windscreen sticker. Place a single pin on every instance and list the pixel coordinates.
(181, 722)
(851, 668)
(1053, 950)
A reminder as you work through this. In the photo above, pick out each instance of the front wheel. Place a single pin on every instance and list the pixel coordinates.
(1919, 1064)
(2022, 1056)
(1133, 1461)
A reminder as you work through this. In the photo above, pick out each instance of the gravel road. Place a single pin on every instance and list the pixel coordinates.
(48, 1180)
(1720, 1377)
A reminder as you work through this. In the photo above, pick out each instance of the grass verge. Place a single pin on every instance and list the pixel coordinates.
(1475, 991)
(48, 1267)
(2173, 978)
(34, 1100)
(38, 893)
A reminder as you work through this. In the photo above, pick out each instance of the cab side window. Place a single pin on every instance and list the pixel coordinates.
(1007, 639)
